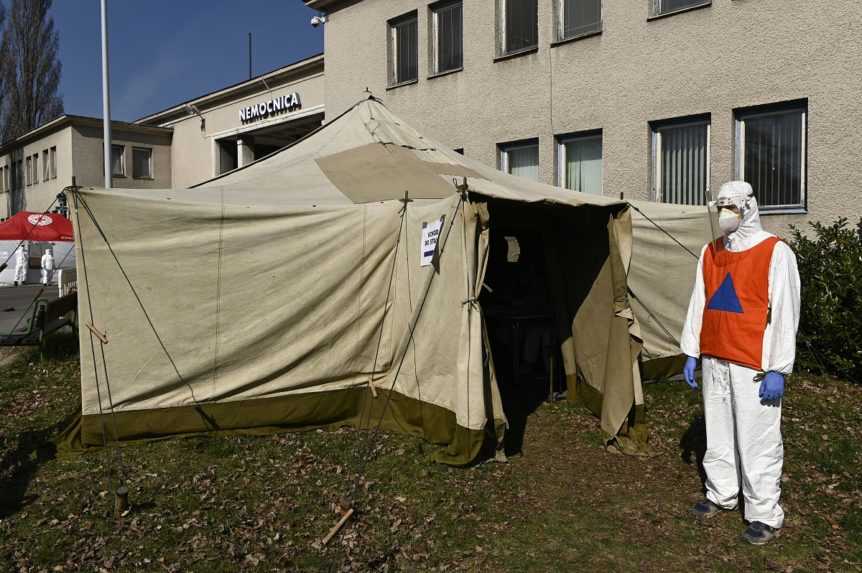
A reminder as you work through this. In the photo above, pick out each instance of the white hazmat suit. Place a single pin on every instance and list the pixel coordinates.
(22, 261)
(47, 266)
(743, 433)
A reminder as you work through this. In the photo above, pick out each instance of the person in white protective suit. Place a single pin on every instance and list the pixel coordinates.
(22, 261)
(742, 322)
(47, 266)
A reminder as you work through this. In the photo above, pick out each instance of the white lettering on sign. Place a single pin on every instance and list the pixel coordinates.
(428, 244)
(287, 102)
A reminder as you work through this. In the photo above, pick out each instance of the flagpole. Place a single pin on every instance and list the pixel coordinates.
(106, 96)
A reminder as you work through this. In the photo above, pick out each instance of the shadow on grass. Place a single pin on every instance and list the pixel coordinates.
(692, 445)
(35, 447)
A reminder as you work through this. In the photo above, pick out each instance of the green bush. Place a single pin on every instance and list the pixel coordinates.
(830, 325)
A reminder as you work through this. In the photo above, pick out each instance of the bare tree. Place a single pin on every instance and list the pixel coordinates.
(29, 68)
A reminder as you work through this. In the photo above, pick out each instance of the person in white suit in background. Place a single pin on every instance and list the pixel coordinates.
(47, 266)
(22, 256)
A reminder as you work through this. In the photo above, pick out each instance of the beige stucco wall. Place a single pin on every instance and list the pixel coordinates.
(194, 148)
(87, 147)
(38, 196)
(735, 53)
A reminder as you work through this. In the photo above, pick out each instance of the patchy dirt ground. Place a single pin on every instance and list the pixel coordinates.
(228, 503)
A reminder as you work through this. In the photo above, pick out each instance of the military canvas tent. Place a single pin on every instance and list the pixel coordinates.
(307, 289)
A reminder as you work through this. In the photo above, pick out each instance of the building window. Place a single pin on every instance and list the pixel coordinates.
(142, 163)
(520, 158)
(680, 160)
(46, 171)
(580, 162)
(447, 37)
(518, 27)
(662, 7)
(53, 162)
(35, 168)
(578, 18)
(403, 49)
(28, 176)
(771, 153)
(118, 161)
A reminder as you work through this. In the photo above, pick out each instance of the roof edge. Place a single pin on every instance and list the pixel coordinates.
(180, 110)
(67, 120)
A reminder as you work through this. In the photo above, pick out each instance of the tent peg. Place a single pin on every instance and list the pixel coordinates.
(121, 501)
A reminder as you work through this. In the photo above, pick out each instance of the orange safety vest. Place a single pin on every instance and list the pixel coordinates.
(737, 302)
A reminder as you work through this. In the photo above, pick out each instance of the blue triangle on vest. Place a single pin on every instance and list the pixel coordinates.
(725, 297)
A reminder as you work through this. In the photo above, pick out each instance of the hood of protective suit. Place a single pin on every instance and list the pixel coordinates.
(750, 232)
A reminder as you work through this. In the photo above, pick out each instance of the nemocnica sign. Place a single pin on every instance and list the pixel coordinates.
(280, 104)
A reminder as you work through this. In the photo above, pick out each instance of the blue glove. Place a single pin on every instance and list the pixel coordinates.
(688, 371)
(772, 387)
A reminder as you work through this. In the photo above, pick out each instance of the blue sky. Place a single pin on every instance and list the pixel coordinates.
(164, 52)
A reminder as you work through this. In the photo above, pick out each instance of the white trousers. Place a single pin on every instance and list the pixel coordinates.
(743, 442)
(21, 274)
(47, 276)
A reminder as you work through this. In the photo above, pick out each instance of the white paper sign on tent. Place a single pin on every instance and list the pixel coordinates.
(427, 246)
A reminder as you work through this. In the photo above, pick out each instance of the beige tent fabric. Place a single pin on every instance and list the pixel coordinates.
(290, 277)
(661, 273)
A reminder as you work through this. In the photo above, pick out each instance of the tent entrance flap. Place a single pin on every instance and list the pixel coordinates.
(520, 319)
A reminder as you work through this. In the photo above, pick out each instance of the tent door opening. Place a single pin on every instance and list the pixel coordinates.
(518, 311)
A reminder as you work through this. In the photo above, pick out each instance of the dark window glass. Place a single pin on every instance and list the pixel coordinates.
(449, 37)
(665, 6)
(581, 17)
(522, 29)
(774, 157)
(405, 50)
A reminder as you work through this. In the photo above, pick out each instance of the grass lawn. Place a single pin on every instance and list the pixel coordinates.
(228, 503)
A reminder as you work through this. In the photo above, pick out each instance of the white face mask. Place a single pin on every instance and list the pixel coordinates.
(728, 221)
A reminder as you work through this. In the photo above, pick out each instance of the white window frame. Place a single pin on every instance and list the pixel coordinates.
(53, 151)
(392, 36)
(435, 35)
(46, 166)
(560, 12)
(655, 136)
(739, 155)
(503, 150)
(152, 174)
(656, 11)
(562, 140)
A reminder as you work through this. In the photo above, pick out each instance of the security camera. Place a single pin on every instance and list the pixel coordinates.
(317, 21)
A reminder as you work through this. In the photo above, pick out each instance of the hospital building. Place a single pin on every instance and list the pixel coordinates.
(658, 100)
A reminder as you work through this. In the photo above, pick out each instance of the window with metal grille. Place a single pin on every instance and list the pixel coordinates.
(118, 160)
(403, 49)
(680, 161)
(142, 163)
(578, 18)
(447, 37)
(520, 158)
(519, 25)
(771, 154)
(580, 162)
(660, 7)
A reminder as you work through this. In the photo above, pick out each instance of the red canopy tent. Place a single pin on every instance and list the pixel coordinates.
(37, 227)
